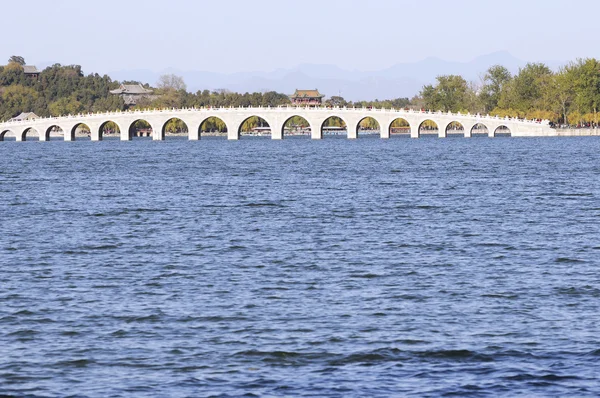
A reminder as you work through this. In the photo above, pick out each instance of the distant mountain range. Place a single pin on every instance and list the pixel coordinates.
(400, 80)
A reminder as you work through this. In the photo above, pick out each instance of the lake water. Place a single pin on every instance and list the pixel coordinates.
(332, 268)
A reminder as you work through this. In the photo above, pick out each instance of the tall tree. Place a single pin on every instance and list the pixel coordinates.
(587, 86)
(171, 91)
(525, 92)
(336, 100)
(562, 90)
(171, 82)
(494, 81)
(17, 60)
(449, 94)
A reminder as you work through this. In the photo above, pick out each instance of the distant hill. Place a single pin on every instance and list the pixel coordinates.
(400, 80)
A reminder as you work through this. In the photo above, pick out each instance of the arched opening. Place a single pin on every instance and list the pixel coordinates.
(479, 130)
(213, 127)
(140, 128)
(502, 131)
(110, 129)
(54, 133)
(7, 135)
(80, 130)
(368, 127)
(428, 128)
(455, 129)
(334, 126)
(296, 126)
(30, 134)
(255, 126)
(174, 127)
(400, 128)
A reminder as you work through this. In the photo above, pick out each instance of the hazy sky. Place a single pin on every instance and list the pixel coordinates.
(236, 35)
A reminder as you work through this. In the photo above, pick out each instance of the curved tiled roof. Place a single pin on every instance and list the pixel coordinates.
(307, 94)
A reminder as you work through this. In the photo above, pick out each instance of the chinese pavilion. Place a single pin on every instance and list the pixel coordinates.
(131, 93)
(307, 98)
(31, 70)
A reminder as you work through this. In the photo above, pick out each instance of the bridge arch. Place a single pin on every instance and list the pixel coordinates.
(109, 128)
(254, 125)
(6, 132)
(296, 126)
(173, 126)
(80, 128)
(334, 125)
(455, 129)
(31, 132)
(140, 128)
(400, 126)
(368, 125)
(480, 130)
(55, 128)
(502, 131)
(428, 127)
(214, 126)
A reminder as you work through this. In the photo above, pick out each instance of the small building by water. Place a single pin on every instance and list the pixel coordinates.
(24, 116)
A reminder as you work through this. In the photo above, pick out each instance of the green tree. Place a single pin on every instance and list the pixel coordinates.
(562, 90)
(336, 101)
(171, 92)
(12, 74)
(449, 94)
(587, 86)
(66, 106)
(110, 103)
(17, 99)
(526, 91)
(17, 60)
(494, 81)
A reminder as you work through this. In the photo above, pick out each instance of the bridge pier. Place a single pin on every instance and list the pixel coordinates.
(233, 135)
(277, 131)
(194, 132)
(468, 129)
(95, 134)
(384, 130)
(315, 129)
(352, 131)
(315, 134)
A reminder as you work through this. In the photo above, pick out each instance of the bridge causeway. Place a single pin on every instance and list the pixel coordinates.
(276, 117)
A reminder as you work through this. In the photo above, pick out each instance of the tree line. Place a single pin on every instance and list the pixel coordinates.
(58, 90)
(569, 96)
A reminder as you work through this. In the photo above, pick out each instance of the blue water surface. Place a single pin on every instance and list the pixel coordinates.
(331, 268)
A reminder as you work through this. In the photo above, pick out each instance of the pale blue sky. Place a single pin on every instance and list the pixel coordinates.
(236, 35)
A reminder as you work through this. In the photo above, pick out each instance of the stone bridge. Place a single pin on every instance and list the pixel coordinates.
(276, 117)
